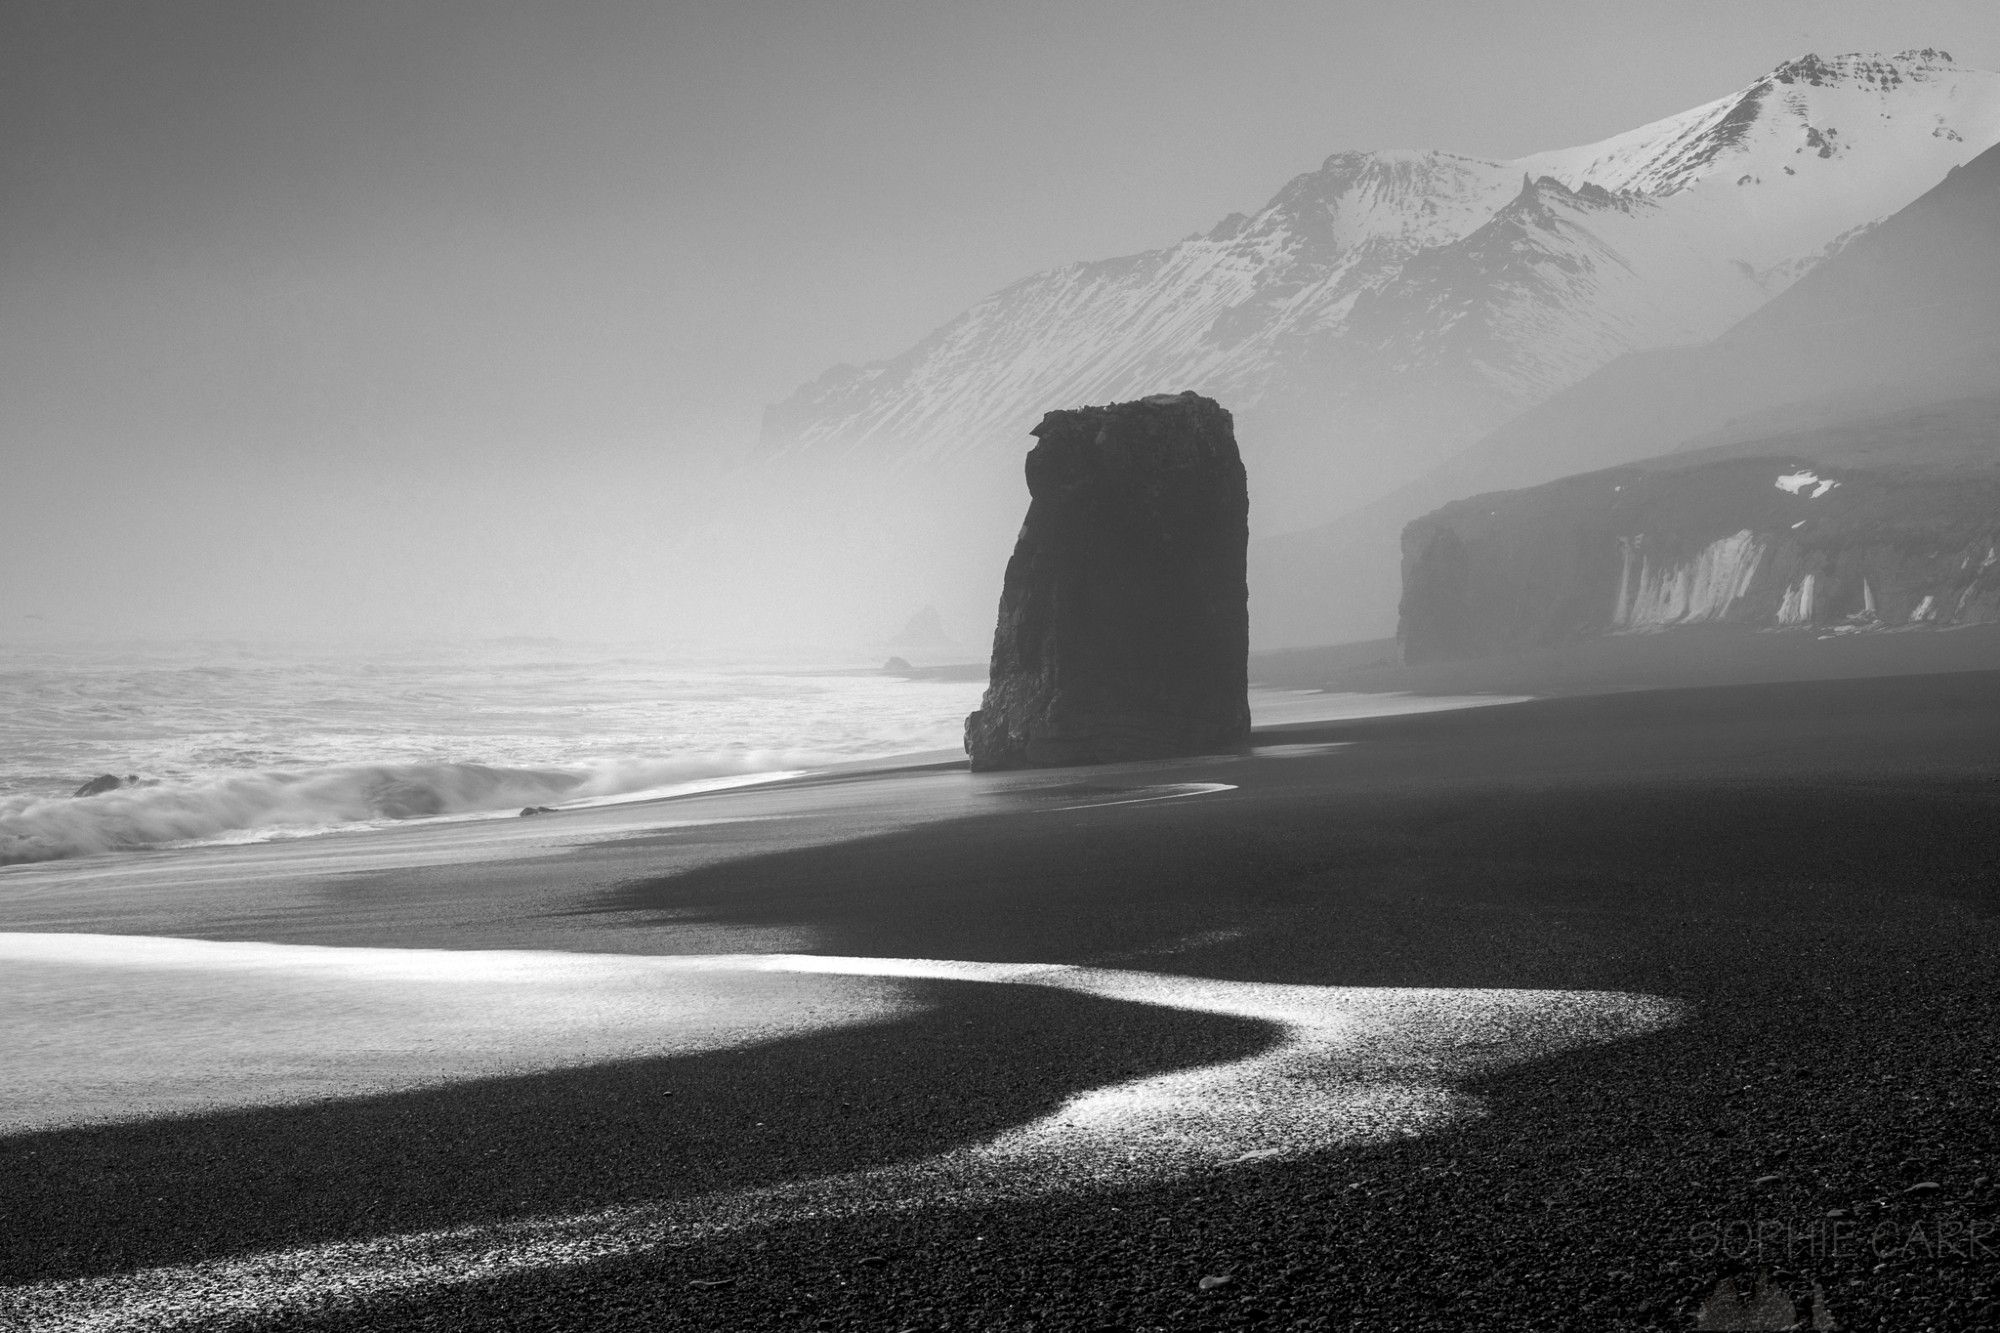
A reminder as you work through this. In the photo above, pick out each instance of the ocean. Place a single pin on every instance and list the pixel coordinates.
(246, 743)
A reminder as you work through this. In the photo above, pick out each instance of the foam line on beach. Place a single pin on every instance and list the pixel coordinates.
(1351, 1065)
(1164, 792)
(257, 806)
(1275, 708)
(196, 808)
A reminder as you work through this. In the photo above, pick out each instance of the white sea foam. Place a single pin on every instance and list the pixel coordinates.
(283, 803)
(237, 746)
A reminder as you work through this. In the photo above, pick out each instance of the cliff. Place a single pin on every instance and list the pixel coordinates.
(1854, 536)
(1124, 625)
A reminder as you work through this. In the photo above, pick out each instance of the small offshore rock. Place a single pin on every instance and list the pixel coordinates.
(100, 784)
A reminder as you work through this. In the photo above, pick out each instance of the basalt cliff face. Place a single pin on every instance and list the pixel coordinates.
(1124, 625)
(1776, 541)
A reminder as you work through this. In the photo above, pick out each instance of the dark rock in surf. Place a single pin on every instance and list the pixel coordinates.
(1124, 626)
(100, 784)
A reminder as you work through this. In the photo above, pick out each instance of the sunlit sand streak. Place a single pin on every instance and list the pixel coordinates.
(1168, 792)
(1351, 1065)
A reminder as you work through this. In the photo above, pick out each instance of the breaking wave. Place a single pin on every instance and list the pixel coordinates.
(278, 803)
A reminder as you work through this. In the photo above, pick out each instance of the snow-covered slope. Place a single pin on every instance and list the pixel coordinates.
(1209, 310)
(1392, 306)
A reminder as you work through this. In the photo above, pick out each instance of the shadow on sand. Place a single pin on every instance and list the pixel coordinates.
(977, 1060)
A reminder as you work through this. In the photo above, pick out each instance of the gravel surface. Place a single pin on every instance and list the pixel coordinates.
(1813, 870)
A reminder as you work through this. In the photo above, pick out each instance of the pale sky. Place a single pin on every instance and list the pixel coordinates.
(406, 317)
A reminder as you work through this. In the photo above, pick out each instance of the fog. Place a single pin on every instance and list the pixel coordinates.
(331, 320)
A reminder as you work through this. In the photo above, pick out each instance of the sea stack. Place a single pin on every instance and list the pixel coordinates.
(1124, 628)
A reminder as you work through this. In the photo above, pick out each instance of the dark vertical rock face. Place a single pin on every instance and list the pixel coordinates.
(1431, 619)
(1782, 542)
(1124, 627)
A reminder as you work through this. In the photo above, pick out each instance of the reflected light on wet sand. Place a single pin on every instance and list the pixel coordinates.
(1349, 1065)
(121, 1027)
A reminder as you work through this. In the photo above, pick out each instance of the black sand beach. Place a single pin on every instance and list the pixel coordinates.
(1813, 869)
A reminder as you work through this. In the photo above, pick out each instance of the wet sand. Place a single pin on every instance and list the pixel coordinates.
(1802, 873)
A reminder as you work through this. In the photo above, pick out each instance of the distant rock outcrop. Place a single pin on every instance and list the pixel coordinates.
(102, 783)
(1731, 536)
(923, 638)
(1124, 619)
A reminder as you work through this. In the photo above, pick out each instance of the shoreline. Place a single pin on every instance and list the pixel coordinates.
(1804, 868)
(1280, 705)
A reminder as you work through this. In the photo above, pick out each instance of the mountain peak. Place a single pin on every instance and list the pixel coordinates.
(1392, 305)
(1862, 67)
(1883, 105)
(1362, 163)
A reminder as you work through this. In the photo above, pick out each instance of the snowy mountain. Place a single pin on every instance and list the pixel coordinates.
(1904, 320)
(1908, 312)
(1388, 309)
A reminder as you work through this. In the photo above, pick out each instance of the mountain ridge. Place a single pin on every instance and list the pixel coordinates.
(1668, 233)
(1903, 317)
(1822, 342)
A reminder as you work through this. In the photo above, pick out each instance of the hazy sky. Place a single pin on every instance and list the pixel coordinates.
(400, 317)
